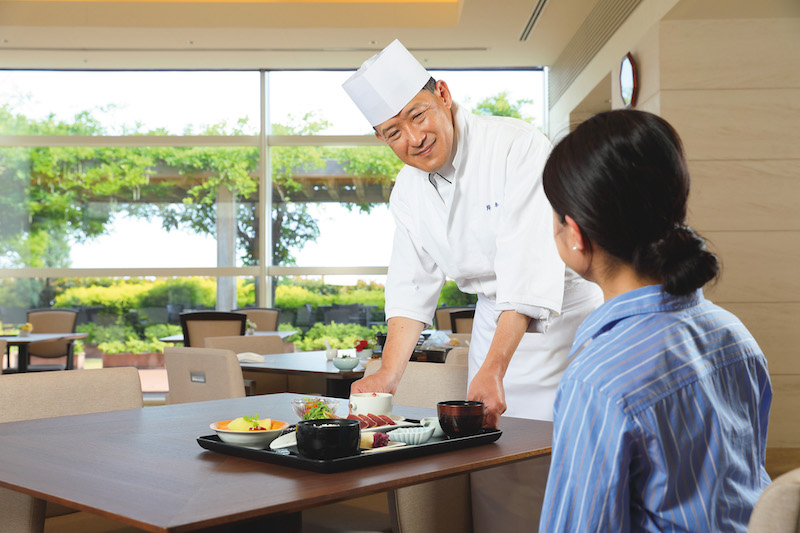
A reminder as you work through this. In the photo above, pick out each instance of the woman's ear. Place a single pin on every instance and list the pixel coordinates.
(575, 238)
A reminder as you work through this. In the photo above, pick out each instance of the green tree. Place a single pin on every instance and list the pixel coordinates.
(500, 106)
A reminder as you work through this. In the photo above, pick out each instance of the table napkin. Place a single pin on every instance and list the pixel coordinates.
(250, 357)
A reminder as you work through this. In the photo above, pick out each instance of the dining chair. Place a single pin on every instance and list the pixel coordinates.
(461, 321)
(201, 374)
(43, 395)
(198, 325)
(256, 382)
(457, 356)
(441, 506)
(442, 317)
(778, 508)
(265, 318)
(52, 321)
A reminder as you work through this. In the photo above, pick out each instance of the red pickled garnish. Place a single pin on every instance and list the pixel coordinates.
(259, 428)
(379, 440)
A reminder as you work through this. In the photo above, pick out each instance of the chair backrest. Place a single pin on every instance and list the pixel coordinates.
(260, 344)
(426, 384)
(52, 321)
(441, 506)
(48, 394)
(778, 508)
(461, 321)
(457, 356)
(201, 324)
(265, 318)
(200, 374)
(442, 317)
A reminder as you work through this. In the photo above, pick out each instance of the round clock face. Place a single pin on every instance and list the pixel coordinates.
(628, 83)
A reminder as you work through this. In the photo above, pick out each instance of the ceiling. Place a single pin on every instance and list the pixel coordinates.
(282, 34)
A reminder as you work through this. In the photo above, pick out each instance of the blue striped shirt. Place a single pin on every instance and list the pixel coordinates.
(660, 420)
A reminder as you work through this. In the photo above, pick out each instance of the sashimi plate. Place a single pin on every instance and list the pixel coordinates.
(290, 439)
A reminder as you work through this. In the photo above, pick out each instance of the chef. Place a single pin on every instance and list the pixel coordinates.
(469, 206)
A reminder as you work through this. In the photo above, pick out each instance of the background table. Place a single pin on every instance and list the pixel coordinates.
(282, 334)
(23, 342)
(143, 467)
(312, 363)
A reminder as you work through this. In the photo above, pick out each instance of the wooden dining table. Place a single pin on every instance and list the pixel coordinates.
(23, 342)
(144, 467)
(310, 363)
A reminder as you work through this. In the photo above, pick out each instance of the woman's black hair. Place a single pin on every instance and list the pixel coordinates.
(622, 176)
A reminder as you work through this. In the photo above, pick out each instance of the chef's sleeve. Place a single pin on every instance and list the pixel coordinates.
(414, 280)
(530, 273)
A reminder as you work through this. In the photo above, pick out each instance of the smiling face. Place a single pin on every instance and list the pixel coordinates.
(422, 133)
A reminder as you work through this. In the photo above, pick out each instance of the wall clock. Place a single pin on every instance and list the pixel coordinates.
(628, 81)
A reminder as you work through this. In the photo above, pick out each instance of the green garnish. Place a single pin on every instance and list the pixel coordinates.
(252, 420)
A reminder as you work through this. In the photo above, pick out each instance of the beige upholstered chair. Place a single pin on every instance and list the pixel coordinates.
(256, 382)
(50, 394)
(461, 321)
(442, 316)
(778, 508)
(265, 318)
(457, 356)
(52, 321)
(201, 324)
(431, 507)
(200, 374)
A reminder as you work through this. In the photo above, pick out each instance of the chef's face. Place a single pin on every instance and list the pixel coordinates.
(421, 134)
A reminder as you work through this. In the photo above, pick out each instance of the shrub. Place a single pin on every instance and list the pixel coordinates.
(337, 335)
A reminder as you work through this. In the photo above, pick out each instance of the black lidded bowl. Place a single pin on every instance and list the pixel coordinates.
(460, 418)
(328, 438)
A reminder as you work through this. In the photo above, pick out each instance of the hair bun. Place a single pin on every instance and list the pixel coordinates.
(680, 259)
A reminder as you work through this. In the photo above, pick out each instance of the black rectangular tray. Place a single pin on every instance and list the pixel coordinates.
(289, 456)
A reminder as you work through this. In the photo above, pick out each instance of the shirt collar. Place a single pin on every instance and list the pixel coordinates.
(645, 300)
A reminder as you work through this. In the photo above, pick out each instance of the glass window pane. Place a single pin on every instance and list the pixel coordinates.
(330, 205)
(118, 207)
(124, 103)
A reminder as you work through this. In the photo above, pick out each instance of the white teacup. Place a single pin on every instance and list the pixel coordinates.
(429, 421)
(376, 403)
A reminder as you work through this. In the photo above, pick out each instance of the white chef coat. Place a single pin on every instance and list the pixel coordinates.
(489, 229)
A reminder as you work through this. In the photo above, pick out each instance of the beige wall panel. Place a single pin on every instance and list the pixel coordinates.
(784, 429)
(775, 328)
(651, 105)
(745, 195)
(736, 124)
(730, 54)
(757, 266)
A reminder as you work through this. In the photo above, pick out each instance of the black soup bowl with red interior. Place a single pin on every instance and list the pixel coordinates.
(328, 438)
(460, 418)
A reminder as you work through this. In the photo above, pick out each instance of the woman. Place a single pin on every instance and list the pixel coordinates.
(660, 420)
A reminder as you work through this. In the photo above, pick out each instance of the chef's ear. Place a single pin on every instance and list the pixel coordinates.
(378, 135)
(575, 237)
(443, 92)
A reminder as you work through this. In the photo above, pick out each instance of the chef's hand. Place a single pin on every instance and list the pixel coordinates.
(380, 381)
(487, 387)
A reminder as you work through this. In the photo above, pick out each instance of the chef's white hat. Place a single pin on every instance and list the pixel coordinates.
(386, 83)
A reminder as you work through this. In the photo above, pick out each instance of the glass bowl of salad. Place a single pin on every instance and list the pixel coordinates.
(315, 408)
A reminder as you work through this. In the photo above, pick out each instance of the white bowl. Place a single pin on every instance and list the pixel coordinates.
(258, 439)
(345, 363)
(411, 435)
